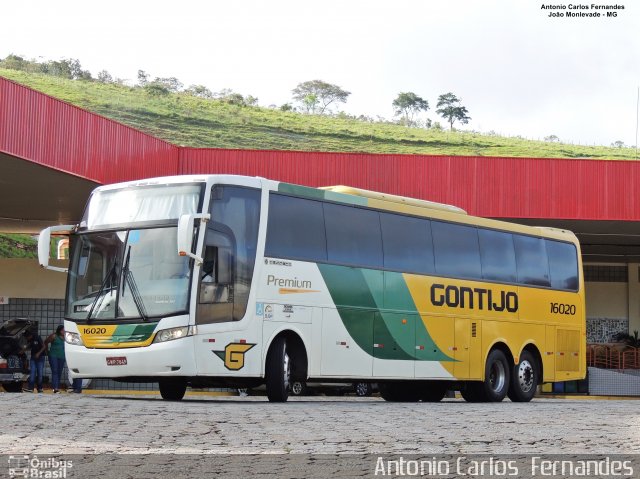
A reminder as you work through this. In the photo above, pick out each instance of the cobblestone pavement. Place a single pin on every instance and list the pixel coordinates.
(88, 424)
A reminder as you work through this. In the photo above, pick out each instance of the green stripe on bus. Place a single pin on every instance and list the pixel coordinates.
(359, 296)
(315, 194)
(131, 333)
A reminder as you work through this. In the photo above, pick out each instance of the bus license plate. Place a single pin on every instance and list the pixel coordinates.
(117, 361)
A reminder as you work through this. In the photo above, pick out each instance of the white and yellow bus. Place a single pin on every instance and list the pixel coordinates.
(220, 280)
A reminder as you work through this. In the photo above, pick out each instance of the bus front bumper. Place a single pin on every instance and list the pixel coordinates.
(171, 358)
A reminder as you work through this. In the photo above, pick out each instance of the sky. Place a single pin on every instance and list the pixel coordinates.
(516, 70)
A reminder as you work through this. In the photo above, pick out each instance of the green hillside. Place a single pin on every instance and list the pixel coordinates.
(187, 120)
(18, 246)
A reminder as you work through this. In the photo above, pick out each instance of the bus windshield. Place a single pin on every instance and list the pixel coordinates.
(127, 274)
(109, 209)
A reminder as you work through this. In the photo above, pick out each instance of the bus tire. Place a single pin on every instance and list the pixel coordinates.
(173, 389)
(496, 377)
(433, 391)
(278, 371)
(524, 378)
(404, 391)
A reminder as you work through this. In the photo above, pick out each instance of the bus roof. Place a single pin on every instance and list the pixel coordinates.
(394, 198)
(372, 199)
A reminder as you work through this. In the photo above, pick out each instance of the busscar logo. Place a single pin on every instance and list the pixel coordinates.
(233, 355)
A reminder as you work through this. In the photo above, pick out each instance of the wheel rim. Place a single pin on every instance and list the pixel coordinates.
(497, 376)
(525, 376)
(361, 389)
(296, 388)
(286, 370)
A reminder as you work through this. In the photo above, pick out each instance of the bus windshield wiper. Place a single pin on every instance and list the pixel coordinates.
(108, 279)
(135, 293)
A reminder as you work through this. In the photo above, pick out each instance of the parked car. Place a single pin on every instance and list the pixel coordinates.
(14, 366)
(300, 388)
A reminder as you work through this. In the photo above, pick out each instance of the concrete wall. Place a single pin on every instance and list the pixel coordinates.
(23, 278)
(613, 306)
(634, 298)
(607, 300)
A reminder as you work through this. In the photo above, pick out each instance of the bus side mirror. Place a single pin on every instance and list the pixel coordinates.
(44, 245)
(185, 235)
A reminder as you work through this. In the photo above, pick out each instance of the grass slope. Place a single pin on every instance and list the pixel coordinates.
(186, 120)
(18, 246)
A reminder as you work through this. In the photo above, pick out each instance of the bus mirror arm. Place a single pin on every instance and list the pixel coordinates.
(185, 235)
(44, 245)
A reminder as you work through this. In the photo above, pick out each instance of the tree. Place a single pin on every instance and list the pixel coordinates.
(551, 139)
(14, 62)
(618, 144)
(317, 95)
(105, 77)
(251, 100)
(199, 91)
(66, 68)
(170, 83)
(156, 89)
(310, 102)
(143, 78)
(408, 105)
(449, 108)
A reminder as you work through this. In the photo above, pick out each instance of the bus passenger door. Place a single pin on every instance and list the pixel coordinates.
(394, 339)
(347, 343)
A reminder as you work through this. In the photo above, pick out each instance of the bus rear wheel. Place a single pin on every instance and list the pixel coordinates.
(524, 378)
(173, 389)
(496, 380)
(278, 371)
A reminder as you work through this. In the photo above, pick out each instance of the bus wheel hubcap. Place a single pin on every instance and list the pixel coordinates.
(525, 376)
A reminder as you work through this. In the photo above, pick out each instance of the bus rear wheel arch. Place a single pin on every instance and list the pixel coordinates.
(497, 377)
(286, 363)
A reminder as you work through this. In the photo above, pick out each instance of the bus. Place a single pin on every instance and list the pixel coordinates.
(232, 281)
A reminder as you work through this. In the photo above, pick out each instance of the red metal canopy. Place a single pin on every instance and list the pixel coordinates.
(50, 134)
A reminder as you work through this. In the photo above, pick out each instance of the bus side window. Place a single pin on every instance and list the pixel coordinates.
(216, 284)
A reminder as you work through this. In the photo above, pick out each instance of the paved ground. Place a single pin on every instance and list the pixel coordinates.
(86, 424)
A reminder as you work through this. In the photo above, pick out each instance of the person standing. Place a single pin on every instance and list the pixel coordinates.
(36, 364)
(56, 356)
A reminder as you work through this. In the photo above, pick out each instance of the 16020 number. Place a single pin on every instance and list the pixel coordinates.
(560, 308)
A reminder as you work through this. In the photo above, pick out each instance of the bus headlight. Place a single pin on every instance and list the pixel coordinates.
(73, 338)
(173, 333)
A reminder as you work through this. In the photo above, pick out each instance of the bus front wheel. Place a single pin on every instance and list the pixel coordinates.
(278, 371)
(173, 389)
(524, 378)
